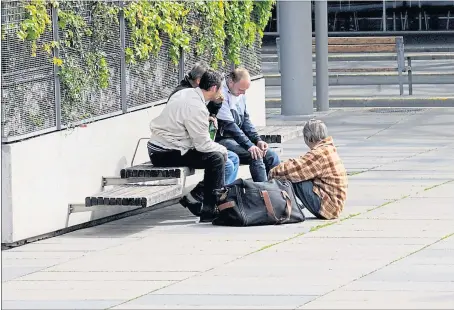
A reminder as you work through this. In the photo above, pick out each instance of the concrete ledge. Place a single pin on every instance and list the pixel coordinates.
(358, 102)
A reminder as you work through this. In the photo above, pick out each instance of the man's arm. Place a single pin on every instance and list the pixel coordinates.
(197, 126)
(249, 129)
(229, 128)
(305, 168)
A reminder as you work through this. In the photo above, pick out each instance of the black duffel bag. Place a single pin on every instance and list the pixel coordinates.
(248, 203)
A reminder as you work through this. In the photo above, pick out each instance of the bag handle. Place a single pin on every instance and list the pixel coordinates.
(270, 209)
(269, 205)
(289, 204)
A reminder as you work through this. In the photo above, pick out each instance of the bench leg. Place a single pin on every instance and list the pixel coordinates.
(410, 77)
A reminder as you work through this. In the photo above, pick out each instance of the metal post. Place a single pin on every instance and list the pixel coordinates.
(321, 53)
(57, 92)
(181, 72)
(124, 105)
(295, 28)
(384, 15)
(410, 77)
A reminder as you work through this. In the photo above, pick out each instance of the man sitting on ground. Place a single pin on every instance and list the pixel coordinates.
(237, 133)
(180, 137)
(319, 177)
(193, 200)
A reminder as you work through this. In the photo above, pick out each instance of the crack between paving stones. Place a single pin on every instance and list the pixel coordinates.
(393, 162)
(378, 269)
(404, 118)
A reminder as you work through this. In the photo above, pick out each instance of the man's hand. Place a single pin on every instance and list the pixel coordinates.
(262, 145)
(214, 120)
(256, 153)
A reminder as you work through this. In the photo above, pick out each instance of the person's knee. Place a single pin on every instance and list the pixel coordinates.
(215, 159)
(272, 157)
(257, 162)
(234, 158)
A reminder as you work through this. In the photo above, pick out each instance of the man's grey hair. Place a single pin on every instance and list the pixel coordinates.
(198, 70)
(315, 131)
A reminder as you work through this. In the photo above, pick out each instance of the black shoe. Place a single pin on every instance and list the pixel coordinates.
(208, 215)
(194, 208)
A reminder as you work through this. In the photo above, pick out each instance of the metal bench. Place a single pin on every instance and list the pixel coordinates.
(371, 46)
(145, 185)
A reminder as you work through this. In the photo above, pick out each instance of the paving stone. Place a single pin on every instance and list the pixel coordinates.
(343, 299)
(78, 290)
(59, 304)
(203, 301)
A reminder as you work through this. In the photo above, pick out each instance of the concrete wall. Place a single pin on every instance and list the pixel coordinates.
(42, 175)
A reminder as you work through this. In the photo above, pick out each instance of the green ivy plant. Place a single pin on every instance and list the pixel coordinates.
(262, 13)
(35, 24)
(148, 20)
(220, 29)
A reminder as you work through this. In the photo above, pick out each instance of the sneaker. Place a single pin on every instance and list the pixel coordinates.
(194, 208)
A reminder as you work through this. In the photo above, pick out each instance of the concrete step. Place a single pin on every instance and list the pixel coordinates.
(374, 78)
(382, 101)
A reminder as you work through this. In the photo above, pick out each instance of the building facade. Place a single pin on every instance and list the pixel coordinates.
(363, 17)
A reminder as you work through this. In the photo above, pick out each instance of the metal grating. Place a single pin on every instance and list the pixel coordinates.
(152, 80)
(396, 110)
(28, 103)
(105, 42)
(251, 58)
(191, 57)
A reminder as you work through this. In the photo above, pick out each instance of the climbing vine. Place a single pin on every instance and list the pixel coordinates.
(148, 20)
(35, 24)
(220, 29)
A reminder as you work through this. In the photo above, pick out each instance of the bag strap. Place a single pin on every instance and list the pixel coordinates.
(289, 204)
(226, 205)
(269, 205)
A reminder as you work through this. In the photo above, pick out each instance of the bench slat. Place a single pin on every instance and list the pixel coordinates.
(359, 40)
(147, 170)
(134, 195)
(357, 48)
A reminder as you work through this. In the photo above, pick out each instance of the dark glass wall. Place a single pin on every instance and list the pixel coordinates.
(367, 16)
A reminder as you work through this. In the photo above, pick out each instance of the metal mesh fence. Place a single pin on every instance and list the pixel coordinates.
(103, 43)
(28, 83)
(251, 58)
(191, 57)
(151, 80)
(28, 103)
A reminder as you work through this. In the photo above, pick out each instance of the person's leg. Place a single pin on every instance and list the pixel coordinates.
(214, 166)
(304, 191)
(231, 167)
(193, 200)
(256, 166)
(271, 160)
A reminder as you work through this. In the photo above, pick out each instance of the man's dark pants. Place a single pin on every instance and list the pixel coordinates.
(213, 163)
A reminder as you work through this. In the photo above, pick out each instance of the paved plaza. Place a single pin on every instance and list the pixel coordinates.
(392, 248)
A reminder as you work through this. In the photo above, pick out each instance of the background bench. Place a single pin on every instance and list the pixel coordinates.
(368, 46)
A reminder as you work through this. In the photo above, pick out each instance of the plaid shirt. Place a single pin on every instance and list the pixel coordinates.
(322, 165)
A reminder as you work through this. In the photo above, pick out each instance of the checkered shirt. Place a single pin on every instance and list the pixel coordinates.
(324, 167)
